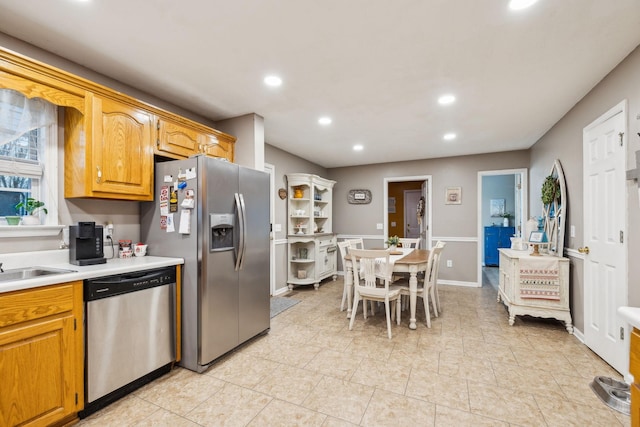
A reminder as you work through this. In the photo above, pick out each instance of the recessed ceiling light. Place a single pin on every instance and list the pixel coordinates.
(357, 147)
(449, 136)
(325, 120)
(273, 81)
(520, 4)
(446, 99)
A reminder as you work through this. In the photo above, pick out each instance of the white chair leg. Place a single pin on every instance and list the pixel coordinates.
(435, 290)
(343, 304)
(433, 301)
(386, 310)
(398, 309)
(355, 309)
(425, 300)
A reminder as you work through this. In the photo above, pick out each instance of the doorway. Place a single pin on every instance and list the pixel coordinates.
(418, 190)
(501, 194)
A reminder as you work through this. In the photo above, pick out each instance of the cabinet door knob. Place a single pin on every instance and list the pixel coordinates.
(584, 250)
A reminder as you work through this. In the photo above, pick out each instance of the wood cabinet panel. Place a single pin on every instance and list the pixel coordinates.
(177, 140)
(41, 355)
(635, 405)
(20, 307)
(219, 145)
(32, 89)
(182, 140)
(108, 151)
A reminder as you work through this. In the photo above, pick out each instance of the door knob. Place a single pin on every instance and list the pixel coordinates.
(584, 250)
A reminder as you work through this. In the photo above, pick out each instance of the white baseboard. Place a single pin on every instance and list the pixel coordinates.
(281, 291)
(578, 334)
(458, 283)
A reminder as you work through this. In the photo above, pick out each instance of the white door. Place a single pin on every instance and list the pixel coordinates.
(605, 269)
(411, 225)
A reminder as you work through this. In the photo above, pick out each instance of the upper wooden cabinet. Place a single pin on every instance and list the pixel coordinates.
(219, 145)
(110, 138)
(175, 140)
(108, 151)
(181, 140)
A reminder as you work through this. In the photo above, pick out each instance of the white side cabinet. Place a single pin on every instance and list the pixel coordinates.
(513, 284)
(312, 254)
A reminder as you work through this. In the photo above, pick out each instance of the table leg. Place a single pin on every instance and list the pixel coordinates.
(413, 291)
(348, 280)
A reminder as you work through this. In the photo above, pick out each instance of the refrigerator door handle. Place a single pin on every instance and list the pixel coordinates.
(240, 231)
(243, 231)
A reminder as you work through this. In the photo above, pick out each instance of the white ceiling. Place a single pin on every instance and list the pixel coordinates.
(376, 67)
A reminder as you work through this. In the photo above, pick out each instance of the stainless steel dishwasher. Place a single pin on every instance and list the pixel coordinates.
(129, 333)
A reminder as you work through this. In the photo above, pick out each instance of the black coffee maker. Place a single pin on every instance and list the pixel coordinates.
(85, 244)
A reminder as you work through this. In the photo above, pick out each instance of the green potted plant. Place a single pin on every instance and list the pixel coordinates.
(32, 207)
(392, 242)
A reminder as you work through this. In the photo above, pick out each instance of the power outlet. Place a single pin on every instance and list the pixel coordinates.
(449, 263)
(107, 231)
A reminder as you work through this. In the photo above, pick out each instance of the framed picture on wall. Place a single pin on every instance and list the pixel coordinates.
(392, 205)
(453, 196)
(496, 207)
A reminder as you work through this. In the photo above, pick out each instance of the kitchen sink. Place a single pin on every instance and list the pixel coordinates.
(30, 273)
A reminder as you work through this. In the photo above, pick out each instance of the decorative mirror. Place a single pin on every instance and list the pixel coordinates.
(554, 209)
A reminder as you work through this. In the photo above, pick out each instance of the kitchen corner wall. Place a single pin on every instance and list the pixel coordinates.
(285, 163)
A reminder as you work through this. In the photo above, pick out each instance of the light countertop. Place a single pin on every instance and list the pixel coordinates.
(60, 259)
(631, 315)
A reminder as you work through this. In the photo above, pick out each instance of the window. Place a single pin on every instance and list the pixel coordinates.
(28, 154)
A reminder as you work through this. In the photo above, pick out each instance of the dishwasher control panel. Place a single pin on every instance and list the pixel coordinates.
(109, 286)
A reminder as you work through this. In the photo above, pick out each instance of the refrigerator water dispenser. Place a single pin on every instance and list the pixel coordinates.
(222, 226)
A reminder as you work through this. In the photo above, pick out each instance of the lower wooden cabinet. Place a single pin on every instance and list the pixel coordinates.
(41, 355)
(634, 369)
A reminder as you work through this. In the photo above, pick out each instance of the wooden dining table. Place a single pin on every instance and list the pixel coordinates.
(412, 263)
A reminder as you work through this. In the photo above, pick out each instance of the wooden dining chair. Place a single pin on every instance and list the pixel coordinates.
(374, 264)
(426, 286)
(435, 296)
(407, 242)
(348, 277)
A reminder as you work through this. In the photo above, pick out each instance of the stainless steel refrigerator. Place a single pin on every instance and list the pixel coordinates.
(215, 215)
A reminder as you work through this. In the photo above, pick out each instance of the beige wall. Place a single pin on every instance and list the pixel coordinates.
(564, 141)
(458, 224)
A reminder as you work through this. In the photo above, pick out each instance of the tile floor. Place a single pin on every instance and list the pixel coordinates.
(470, 369)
